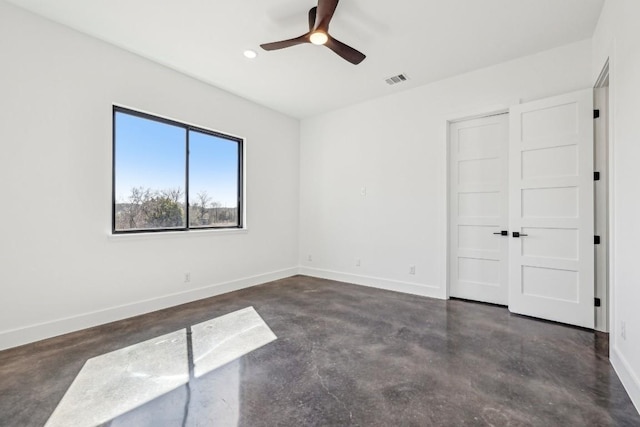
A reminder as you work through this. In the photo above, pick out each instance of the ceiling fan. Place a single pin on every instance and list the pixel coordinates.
(319, 18)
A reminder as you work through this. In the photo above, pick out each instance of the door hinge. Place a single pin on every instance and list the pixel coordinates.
(596, 176)
(596, 114)
(596, 240)
(596, 302)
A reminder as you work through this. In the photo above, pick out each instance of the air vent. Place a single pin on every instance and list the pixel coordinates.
(397, 79)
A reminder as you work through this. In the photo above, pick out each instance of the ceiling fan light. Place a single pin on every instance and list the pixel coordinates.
(318, 38)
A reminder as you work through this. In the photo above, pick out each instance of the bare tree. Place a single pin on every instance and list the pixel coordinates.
(133, 210)
(173, 194)
(202, 203)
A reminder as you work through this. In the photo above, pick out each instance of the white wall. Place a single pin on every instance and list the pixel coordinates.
(59, 268)
(618, 37)
(396, 148)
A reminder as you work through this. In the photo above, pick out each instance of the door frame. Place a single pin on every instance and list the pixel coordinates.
(604, 323)
(480, 112)
(607, 76)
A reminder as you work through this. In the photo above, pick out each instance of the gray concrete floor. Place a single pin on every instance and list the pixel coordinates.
(348, 355)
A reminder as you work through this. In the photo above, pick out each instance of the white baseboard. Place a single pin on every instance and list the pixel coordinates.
(20, 336)
(628, 378)
(376, 282)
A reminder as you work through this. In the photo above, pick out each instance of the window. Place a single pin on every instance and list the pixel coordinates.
(172, 176)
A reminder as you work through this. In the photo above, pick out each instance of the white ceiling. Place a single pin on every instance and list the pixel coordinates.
(427, 39)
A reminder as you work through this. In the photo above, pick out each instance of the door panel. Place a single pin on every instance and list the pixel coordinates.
(478, 237)
(550, 283)
(559, 202)
(550, 162)
(478, 209)
(551, 205)
(551, 243)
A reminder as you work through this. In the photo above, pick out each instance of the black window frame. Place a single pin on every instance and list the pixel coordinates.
(188, 128)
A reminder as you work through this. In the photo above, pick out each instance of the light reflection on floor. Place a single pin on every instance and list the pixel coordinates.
(149, 383)
(214, 400)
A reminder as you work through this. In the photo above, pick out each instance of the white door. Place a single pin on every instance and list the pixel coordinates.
(478, 209)
(551, 269)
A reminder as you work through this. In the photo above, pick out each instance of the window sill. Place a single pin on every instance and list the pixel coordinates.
(176, 234)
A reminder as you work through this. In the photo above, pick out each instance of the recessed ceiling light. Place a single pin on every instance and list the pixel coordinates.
(251, 54)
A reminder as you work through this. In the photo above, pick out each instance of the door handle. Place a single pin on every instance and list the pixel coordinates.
(502, 233)
(516, 234)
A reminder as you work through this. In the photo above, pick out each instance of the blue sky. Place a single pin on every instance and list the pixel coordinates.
(151, 154)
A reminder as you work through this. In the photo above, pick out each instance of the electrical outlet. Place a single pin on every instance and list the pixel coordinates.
(309, 258)
(623, 330)
(363, 191)
(412, 269)
(187, 277)
(357, 262)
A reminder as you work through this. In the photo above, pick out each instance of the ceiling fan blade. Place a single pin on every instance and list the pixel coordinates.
(312, 17)
(326, 8)
(345, 51)
(286, 43)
